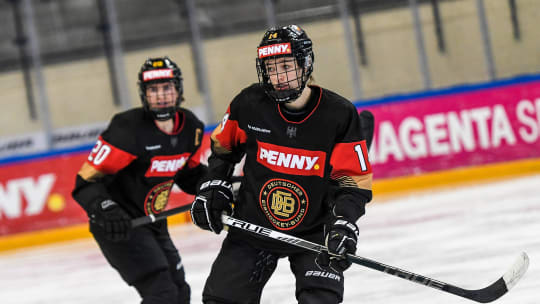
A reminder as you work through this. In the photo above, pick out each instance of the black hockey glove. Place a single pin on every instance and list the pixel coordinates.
(213, 198)
(115, 222)
(340, 239)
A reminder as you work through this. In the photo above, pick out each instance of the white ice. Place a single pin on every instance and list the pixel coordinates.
(467, 236)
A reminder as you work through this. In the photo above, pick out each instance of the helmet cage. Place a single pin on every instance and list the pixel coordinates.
(288, 41)
(160, 70)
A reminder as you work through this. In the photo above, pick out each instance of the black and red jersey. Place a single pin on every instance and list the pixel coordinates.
(295, 171)
(135, 163)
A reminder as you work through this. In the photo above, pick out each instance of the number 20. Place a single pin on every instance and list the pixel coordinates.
(361, 158)
(99, 153)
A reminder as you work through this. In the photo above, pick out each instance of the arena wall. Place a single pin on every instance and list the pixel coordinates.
(446, 138)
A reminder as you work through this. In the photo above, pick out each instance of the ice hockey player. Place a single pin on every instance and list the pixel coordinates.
(306, 173)
(129, 173)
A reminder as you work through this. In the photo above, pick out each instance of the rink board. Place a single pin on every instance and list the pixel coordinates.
(435, 138)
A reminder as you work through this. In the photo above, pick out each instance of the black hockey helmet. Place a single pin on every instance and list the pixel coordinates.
(157, 70)
(289, 40)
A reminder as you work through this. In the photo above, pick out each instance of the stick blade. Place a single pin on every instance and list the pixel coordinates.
(502, 285)
(514, 274)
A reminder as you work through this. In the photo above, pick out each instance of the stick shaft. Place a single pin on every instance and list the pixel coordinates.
(143, 220)
(484, 295)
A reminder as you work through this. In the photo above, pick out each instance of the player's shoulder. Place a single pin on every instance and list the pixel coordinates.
(250, 94)
(123, 126)
(253, 90)
(335, 100)
(128, 119)
(249, 99)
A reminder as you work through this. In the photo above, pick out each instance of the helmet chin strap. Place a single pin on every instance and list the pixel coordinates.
(285, 96)
(163, 114)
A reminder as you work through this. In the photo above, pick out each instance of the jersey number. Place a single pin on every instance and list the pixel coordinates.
(99, 153)
(361, 158)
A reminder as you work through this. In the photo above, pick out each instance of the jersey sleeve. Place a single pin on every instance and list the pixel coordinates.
(195, 159)
(110, 154)
(189, 176)
(351, 170)
(228, 138)
(113, 151)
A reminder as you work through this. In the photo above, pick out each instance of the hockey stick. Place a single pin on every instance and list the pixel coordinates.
(483, 295)
(143, 220)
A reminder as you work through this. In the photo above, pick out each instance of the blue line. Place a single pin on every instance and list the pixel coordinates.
(46, 154)
(210, 128)
(360, 103)
(447, 91)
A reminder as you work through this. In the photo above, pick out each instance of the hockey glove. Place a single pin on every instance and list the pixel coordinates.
(116, 223)
(340, 239)
(213, 198)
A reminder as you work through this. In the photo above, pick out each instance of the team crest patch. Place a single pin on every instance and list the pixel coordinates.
(285, 203)
(157, 199)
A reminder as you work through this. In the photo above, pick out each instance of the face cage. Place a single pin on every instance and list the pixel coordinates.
(282, 96)
(161, 114)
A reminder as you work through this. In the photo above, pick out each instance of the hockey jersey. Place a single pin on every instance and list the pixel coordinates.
(295, 171)
(136, 164)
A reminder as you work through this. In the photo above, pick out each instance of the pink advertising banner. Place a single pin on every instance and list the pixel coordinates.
(455, 130)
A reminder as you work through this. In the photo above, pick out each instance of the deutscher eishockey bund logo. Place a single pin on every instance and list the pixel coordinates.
(284, 202)
(157, 198)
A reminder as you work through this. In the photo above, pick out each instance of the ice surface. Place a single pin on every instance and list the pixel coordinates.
(467, 236)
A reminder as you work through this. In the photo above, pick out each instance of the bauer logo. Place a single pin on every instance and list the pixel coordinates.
(291, 161)
(157, 74)
(323, 274)
(166, 166)
(274, 50)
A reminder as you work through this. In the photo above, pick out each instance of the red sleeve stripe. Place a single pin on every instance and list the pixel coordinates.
(195, 159)
(107, 158)
(228, 135)
(350, 159)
